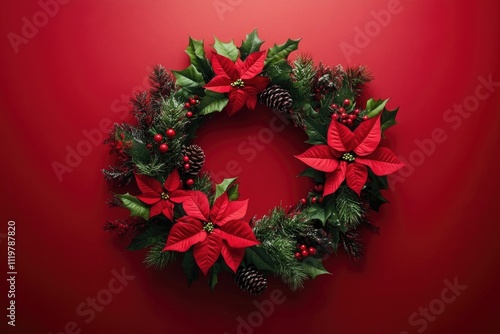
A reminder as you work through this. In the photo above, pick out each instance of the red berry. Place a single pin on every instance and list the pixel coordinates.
(349, 121)
(365, 118)
(185, 158)
(320, 200)
(303, 247)
(158, 138)
(352, 116)
(305, 253)
(313, 200)
(343, 115)
(149, 146)
(170, 133)
(334, 106)
(187, 105)
(189, 114)
(298, 256)
(163, 148)
(347, 102)
(303, 201)
(341, 110)
(192, 101)
(318, 187)
(344, 121)
(187, 166)
(356, 111)
(189, 182)
(312, 251)
(196, 97)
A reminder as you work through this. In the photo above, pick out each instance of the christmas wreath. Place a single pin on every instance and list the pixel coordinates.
(179, 214)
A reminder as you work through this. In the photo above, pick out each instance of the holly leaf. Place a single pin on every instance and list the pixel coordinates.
(212, 102)
(374, 107)
(316, 211)
(251, 44)
(374, 197)
(330, 209)
(228, 50)
(136, 207)
(190, 267)
(282, 51)
(196, 53)
(314, 267)
(154, 234)
(224, 186)
(259, 258)
(189, 79)
(139, 152)
(232, 192)
(388, 118)
(316, 175)
(213, 279)
(316, 130)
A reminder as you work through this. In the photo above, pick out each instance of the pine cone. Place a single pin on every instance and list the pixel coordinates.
(251, 280)
(196, 159)
(276, 98)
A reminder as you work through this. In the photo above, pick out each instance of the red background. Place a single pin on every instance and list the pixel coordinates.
(441, 224)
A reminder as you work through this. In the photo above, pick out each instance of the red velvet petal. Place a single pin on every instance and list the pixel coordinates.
(251, 101)
(219, 207)
(237, 100)
(382, 161)
(235, 210)
(368, 136)
(219, 84)
(156, 209)
(179, 196)
(225, 66)
(340, 138)
(149, 198)
(197, 206)
(182, 236)
(259, 83)
(207, 252)
(168, 209)
(319, 157)
(238, 234)
(335, 179)
(232, 256)
(253, 65)
(191, 221)
(147, 184)
(356, 175)
(173, 181)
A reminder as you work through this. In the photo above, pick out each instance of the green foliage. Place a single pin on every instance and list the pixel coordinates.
(155, 168)
(388, 118)
(190, 80)
(316, 129)
(228, 185)
(136, 207)
(228, 50)
(260, 258)
(316, 175)
(314, 267)
(212, 102)
(304, 72)
(279, 73)
(350, 210)
(251, 44)
(152, 235)
(158, 259)
(190, 267)
(374, 107)
(196, 53)
(282, 51)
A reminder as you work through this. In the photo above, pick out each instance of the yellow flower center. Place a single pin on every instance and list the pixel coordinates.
(208, 227)
(349, 157)
(238, 83)
(164, 196)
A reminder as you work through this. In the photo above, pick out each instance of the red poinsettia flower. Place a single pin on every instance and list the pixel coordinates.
(348, 153)
(241, 80)
(161, 198)
(212, 232)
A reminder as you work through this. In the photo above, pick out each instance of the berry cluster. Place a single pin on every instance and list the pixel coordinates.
(314, 196)
(158, 138)
(190, 104)
(346, 114)
(187, 166)
(304, 251)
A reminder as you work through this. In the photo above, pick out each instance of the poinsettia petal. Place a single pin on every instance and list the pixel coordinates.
(207, 252)
(334, 179)
(235, 210)
(219, 84)
(367, 136)
(382, 161)
(197, 205)
(251, 101)
(168, 209)
(191, 221)
(340, 137)
(147, 184)
(224, 66)
(253, 65)
(356, 175)
(258, 83)
(179, 196)
(149, 198)
(319, 157)
(219, 206)
(238, 234)
(182, 236)
(173, 181)
(237, 100)
(156, 209)
(232, 256)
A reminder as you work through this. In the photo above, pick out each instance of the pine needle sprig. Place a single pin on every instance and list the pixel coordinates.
(157, 259)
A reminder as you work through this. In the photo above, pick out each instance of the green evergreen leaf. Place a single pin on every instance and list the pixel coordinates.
(152, 235)
(190, 267)
(212, 102)
(196, 53)
(335, 235)
(223, 186)
(282, 51)
(139, 152)
(374, 197)
(316, 211)
(232, 192)
(330, 209)
(259, 258)
(251, 44)
(157, 258)
(316, 175)
(279, 73)
(314, 267)
(228, 50)
(190, 80)
(212, 278)
(316, 130)
(388, 118)
(136, 207)
(374, 107)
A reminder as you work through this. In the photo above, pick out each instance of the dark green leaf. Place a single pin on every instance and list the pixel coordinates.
(232, 192)
(316, 175)
(316, 130)
(329, 205)
(316, 211)
(259, 258)
(228, 50)
(190, 80)
(196, 53)
(279, 72)
(335, 234)
(251, 44)
(190, 267)
(152, 235)
(223, 186)
(212, 102)
(212, 275)
(388, 118)
(139, 152)
(136, 207)
(374, 197)
(279, 52)
(314, 267)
